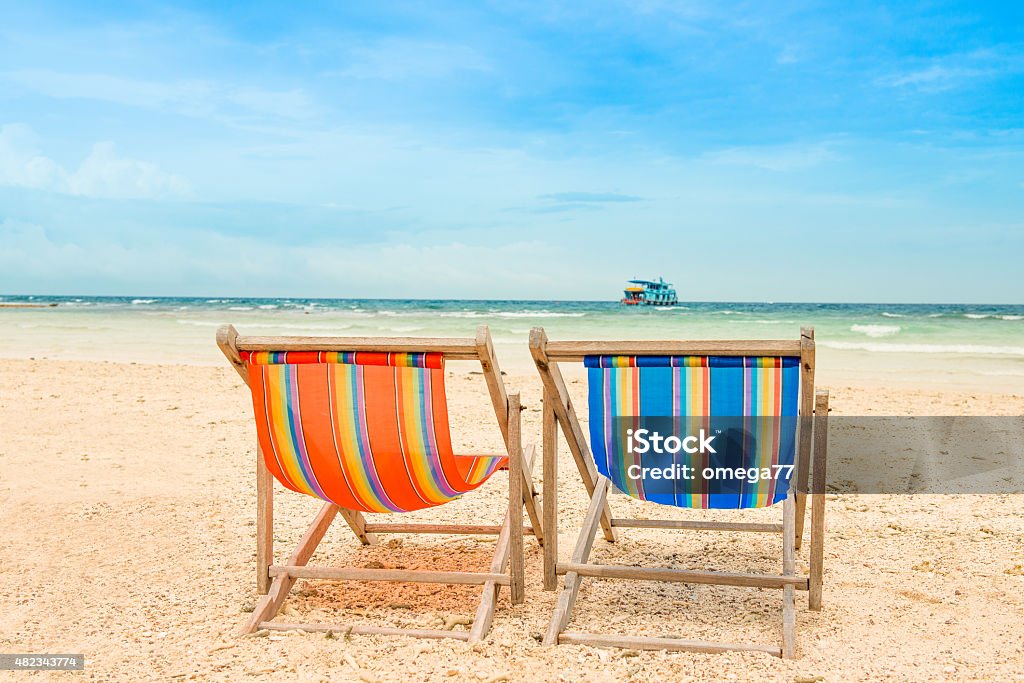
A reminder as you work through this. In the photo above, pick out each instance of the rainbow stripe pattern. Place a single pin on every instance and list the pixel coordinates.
(749, 404)
(366, 431)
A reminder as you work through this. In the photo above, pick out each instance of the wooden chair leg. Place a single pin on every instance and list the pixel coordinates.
(264, 523)
(818, 501)
(357, 522)
(270, 603)
(499, 398)
(534, 509)
(807, 366)
(801, 506)
(554, 384)
(489, 596)
(788, 569)
(584, 544)
(515, 500)
(549, 451)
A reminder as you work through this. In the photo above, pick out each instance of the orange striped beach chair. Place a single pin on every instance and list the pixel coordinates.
(362, 424)
(746, 407)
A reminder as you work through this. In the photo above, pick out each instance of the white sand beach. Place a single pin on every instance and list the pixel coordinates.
(128, 496)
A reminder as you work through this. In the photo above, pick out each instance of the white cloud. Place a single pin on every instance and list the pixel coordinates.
(954, 70)
(774, 157)
(395, 60)
(934, 78)
(100, 174)
(197, 98)
(104, 174)
(21, 164)
(33, 257)
(790, 54)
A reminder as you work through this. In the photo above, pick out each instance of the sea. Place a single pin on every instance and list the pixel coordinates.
(975, 346)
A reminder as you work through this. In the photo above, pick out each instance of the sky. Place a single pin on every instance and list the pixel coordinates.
(782, 151)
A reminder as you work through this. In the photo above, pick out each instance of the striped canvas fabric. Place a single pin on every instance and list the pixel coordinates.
(752, 401)
(366, 431)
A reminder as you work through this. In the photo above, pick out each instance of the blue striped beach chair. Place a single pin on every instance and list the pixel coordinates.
(739, 413)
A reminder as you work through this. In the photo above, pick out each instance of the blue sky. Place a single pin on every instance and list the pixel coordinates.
(745, 151)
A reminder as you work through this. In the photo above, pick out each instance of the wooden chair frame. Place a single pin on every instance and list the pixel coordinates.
(558, 412)
(507, 566)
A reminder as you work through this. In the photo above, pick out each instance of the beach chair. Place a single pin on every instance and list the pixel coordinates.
(362, 423)
(760, 387)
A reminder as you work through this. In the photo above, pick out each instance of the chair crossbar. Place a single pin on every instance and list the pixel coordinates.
(453, 349)
(362, 629)
(611, 571)
(448, 529)
(676, 644)
(696, 525)
(399, 575)
(574, 351)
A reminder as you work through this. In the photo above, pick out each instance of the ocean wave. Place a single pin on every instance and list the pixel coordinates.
(269, 326)
(139, 302)
(239, 308)
(958, 349)
(538, 314)
(509, 314)
(977, 316)
(1011, 317)
(268, 307)
(464, 314)
(876, 330)
(887, 314)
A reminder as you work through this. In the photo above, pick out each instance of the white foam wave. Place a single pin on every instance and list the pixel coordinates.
(509, 314)
(538, 314)
(1011, 317)
(268, 307)
(876, 330)
(139, 302)
(887, 314)
(977, 316)
(269, 326)
(239, 308)
(957, 349)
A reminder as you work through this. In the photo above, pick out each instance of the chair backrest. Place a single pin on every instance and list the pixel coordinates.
(366, 430)
(739, 413)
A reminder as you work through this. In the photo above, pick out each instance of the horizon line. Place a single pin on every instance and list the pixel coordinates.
(499, 300)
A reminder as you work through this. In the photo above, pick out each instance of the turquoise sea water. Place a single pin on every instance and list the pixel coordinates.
(983, 343)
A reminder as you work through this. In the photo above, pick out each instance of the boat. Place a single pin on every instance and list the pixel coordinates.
(650, 293)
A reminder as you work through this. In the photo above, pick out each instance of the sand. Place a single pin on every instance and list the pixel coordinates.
(127, 495)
